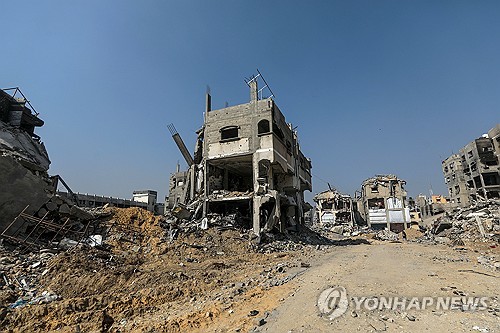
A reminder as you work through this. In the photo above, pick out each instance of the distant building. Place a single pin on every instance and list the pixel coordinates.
(143, 199)
(334, 208)
(177, 187)
(474, 173)
(146, 196)
(434, 205)
(382, 203)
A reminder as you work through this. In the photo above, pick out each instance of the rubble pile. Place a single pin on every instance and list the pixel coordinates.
(219, 194)
(19, 278)
(300, 239)
(59, 223)
(477, 223)
(329, 229)
(387, 235)
(59, 207)
(136, 270)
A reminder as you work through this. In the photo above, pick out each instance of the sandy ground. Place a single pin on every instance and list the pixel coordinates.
(391, 269)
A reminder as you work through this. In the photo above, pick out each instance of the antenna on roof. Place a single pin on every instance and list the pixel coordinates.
(265, 85)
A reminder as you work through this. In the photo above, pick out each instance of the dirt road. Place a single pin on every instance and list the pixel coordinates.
(391, 269)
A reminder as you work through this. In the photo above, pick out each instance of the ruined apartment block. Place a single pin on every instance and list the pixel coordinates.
(434, 205)
(334, 208)
(247, 163)
(24, 162)
(382, 203)
(474, 173)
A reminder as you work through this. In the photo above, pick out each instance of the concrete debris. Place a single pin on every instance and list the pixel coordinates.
(478, 223)
(489, 261)
(20, 274)
(24, 163)
(387, 235)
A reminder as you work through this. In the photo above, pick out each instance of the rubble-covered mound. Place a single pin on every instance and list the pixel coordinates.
(475, 224)
(133, 271)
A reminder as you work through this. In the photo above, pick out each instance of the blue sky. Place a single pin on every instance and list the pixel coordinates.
(373, 86)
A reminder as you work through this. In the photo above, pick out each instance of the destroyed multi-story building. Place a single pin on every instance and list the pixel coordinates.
(24, 161)
(474, 173)
(248, 163)
(382, 203)
(176, 190)
(334, 208)
(434, 205)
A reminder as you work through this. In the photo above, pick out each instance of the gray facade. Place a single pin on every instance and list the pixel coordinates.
(24, 161)
(93, 201)
(247, 162)
(382, 203)
(474, 173)
(334, 208)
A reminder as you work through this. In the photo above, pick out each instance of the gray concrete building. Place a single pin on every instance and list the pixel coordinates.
(145, 199)
(474, 173)
(24, 161)
(382, 203)
(334, 208)
(148, 197)
(454, 178)
(248, 162)
(176, 191)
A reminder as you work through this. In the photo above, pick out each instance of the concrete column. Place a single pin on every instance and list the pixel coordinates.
(206, 189)
(256, 215)
(256, 199)
(192, 181)
(482, 185)
(253, 91)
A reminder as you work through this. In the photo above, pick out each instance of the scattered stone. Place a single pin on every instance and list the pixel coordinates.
(41, 212)
(261, 322)
(387, 235)
(79, 213)
(51, 206)
(64, 209)
(253, 313)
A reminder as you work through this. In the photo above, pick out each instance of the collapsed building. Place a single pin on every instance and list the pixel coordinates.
(334, 208)
(434, 205)
(247, 162)
(24, 161)
(382, 203)
(474, 173)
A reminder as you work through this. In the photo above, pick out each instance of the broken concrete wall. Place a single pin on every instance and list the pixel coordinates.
(23, 168)
(24, 161)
